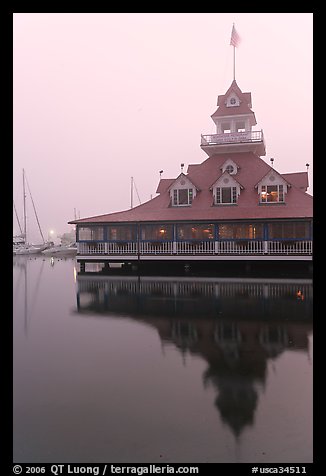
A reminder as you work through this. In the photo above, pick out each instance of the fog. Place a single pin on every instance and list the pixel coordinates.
(103, 97)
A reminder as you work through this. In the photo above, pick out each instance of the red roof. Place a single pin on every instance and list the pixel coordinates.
(298, 179)
(245, 103)
(298, 204)
(164, 184)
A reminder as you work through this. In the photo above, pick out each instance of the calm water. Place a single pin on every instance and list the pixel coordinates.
(118, 369)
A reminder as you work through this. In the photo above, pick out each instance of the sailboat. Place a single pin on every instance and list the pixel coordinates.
(20, 243)
(18, 240)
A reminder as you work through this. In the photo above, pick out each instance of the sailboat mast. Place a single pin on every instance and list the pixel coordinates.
(39, 226)
(20, 228)
(132, 186)
(24, 202)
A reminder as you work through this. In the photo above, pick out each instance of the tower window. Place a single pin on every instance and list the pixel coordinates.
(226, 127)
(240, 126)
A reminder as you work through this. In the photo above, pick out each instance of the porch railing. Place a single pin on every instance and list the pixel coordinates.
(232, 137)
(240, 247)
(202, 247)
(290, 247)
(156, 248)
(125, 248)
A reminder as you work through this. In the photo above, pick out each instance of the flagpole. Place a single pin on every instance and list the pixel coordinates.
(235, 39)
(233, 63)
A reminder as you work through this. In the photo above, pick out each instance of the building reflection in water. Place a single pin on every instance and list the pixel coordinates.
(237, 327)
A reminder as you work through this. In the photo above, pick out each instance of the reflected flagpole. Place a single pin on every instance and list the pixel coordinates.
(235, 41)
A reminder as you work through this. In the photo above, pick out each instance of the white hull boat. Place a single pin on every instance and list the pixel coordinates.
(31, 249)
(61, 250)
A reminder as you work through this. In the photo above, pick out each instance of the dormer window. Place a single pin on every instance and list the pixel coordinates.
(182, 191)
(230, 167)
(226, 189)
(272, 188)
(272, 193)
(225, 195)
(182, 196)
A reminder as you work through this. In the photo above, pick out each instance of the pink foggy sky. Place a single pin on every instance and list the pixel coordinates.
(103, 97)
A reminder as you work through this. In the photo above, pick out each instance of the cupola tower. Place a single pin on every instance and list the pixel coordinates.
(234, 120)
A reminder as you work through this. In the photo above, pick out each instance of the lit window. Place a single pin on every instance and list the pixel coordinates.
(182, 196)
(195, 231)
(226, 195)
(240, 231)
(156, 232)
(272, 193)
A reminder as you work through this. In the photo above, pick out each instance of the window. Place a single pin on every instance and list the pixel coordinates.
(229, 169)
(194, 231)
(272, 193)
(240, 231)
(182, 196)
(121, 233)
(88, 233)
(226, 195)
(288, 230)
(226, 127)
(240, 126)
(159, 232)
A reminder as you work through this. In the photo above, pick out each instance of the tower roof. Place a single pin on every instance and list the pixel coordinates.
(244, 106)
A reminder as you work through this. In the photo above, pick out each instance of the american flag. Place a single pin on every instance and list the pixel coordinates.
(235, 38)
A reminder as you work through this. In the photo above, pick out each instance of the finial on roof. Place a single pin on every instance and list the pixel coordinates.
(272, 160)
(182, 165)
(160, 172)
(307, 165)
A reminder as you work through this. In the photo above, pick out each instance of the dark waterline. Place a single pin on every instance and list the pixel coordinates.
(159, 370)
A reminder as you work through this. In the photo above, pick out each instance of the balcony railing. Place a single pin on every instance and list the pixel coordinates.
(232, 138)
(236, 247)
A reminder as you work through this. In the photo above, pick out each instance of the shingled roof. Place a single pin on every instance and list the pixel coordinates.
(243, 108)
(298, 203)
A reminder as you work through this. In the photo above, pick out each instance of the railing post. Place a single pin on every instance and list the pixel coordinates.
(265, 247)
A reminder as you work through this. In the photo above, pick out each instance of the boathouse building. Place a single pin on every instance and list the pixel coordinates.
(232, 207)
